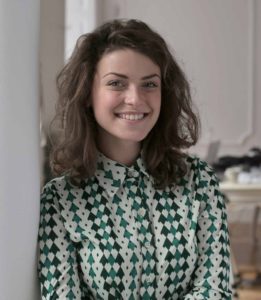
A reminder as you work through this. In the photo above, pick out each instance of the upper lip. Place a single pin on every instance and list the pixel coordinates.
(131, 112)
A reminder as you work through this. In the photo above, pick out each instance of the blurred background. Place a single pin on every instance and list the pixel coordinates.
(217, 43)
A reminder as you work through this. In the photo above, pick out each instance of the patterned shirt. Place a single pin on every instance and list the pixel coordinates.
(117, 237)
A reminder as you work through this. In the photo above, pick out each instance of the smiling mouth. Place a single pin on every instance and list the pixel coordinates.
(132, 117)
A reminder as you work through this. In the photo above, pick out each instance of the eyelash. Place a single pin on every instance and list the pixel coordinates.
(116, 83)
(150, 84)
(120, 84)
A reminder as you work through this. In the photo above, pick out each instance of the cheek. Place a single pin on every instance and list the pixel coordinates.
(98, 100)
(157, 109)
(104, 103)
(156, 103)
(110, 101)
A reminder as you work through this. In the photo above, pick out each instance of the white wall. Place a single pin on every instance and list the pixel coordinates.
(80, 17)
(19, 148)
(218, 44)
(52, 48)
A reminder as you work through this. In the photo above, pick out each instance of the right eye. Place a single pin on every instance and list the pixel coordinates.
(116, 83)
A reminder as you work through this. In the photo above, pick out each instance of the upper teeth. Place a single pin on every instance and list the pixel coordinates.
(131, 116)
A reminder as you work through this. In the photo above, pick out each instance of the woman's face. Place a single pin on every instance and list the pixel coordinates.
(126, 96)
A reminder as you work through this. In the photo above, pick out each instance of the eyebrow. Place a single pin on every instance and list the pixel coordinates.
(126, 77)
(150, 76)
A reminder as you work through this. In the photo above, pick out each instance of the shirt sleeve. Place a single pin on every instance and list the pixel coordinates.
(57, 265)
(212, 276)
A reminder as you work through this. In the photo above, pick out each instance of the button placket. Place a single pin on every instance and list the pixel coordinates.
(145, 233)
(147, 248)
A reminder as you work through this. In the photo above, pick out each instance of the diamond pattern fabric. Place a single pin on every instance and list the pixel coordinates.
(117, 237)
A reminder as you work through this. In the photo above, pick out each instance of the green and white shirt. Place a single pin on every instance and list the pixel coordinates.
(117, 237)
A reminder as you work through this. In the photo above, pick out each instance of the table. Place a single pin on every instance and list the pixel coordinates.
(244, 219)
(242, 193)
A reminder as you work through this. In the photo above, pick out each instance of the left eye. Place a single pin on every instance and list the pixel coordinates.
(150, 84)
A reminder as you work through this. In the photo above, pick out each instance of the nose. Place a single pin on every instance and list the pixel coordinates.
(133, 96)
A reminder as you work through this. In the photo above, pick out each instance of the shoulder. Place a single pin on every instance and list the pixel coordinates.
(53, 190)
(199, 176)
(199, 169)
(71, 205)
(202, 182)
(54, 185)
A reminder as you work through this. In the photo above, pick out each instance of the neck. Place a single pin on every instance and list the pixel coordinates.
(124, 152)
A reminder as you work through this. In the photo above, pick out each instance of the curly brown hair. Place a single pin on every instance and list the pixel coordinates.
(177, 128)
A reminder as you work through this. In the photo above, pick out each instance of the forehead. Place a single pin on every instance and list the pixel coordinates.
(127, 61)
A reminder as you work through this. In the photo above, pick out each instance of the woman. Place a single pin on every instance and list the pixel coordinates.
(131, 215)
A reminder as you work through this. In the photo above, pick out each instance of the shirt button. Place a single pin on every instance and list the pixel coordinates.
(130, 173)
(147, 245)
(148, 281)
(141, 212)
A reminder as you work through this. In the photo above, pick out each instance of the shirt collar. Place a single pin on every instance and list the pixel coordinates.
(112, 174)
